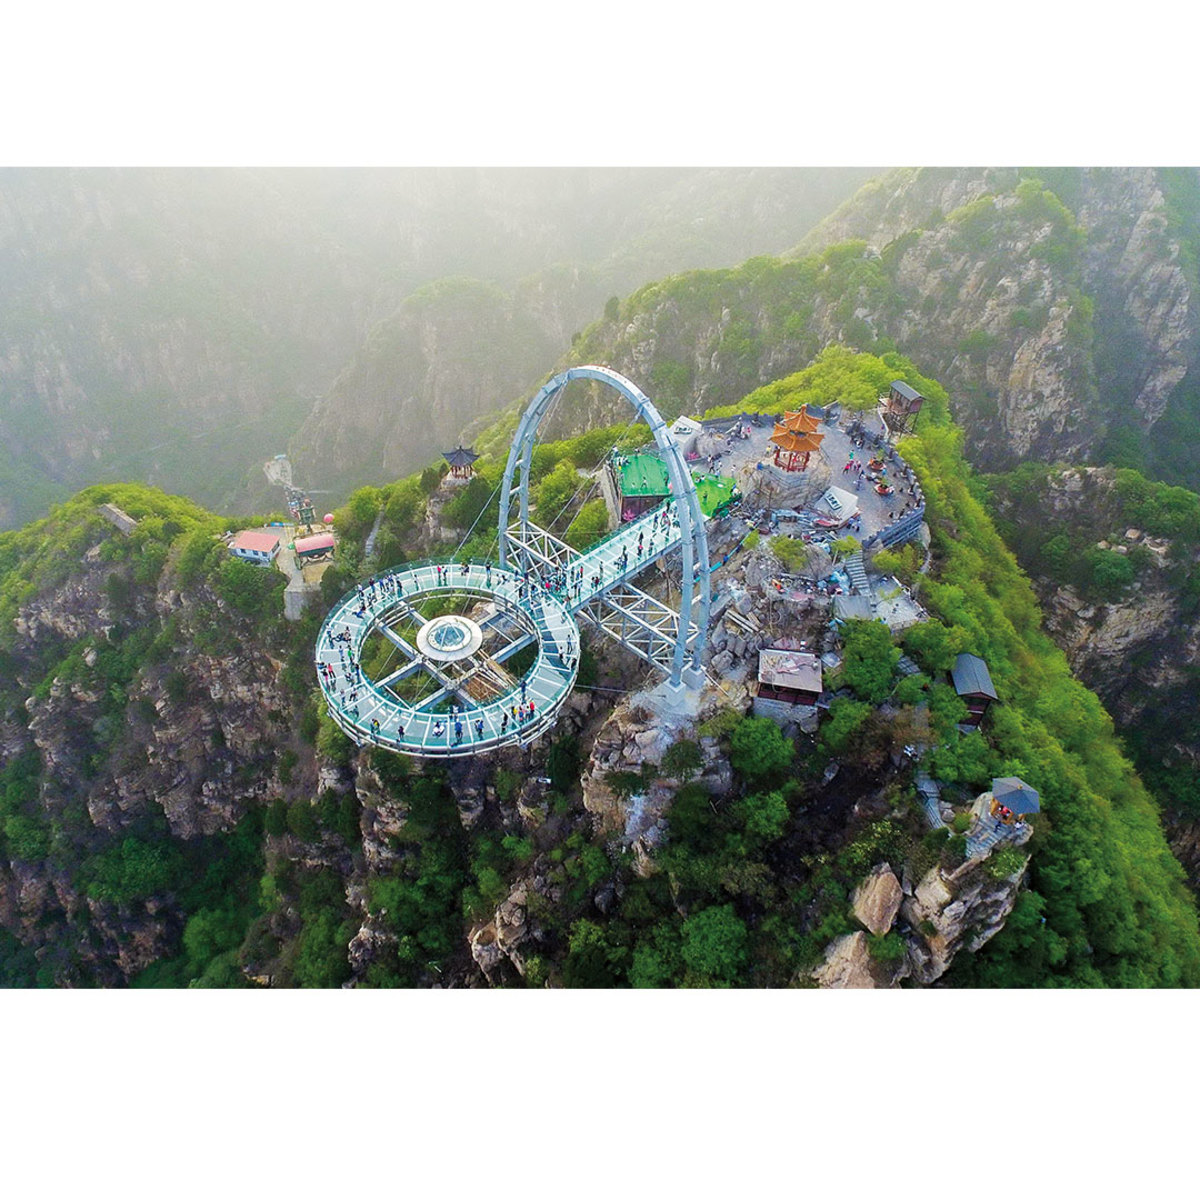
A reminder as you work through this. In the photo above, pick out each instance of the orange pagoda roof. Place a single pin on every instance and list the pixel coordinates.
(796, 443)
(799, 422)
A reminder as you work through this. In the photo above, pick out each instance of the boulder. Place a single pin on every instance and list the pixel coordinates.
(808, 718)
(488, 955)
(847, 963)
(722, 662)
(876, 900)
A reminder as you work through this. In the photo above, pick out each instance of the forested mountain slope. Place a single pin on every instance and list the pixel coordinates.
(176, 326)
(1116, 561)
(1064, 329)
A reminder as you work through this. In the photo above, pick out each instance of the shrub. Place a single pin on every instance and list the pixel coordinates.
(683, 759)
(1005, 862)
(888, 948)
(721, 724)
(791, 552)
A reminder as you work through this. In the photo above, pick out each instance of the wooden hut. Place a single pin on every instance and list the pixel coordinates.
(900, 407)
(974, 685)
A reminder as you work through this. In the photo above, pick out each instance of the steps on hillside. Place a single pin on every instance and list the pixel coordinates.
(857, 572)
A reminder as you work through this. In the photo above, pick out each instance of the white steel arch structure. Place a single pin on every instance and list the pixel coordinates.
(623, 612)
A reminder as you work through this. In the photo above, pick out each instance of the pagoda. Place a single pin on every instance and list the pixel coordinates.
(795, 435)
(801, 421)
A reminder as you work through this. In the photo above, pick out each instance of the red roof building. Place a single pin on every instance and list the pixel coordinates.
(255, 545)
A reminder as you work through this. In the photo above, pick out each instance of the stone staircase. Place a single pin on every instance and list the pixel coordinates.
(857, 572)
(929, 793)
(987, 832)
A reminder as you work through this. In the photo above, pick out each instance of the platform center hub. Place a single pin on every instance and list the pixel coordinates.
(449, 638)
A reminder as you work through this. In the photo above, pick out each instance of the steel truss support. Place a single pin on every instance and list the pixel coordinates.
(534, 546)
(643, 625)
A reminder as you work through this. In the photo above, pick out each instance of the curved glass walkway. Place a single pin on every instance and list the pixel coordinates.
(532, 607)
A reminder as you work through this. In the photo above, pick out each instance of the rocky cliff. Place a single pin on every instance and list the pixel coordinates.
(144, 722)
(1058, 326)
(1134, 637)
(1007, 351)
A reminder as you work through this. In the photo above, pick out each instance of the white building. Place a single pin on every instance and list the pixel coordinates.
(256, 546)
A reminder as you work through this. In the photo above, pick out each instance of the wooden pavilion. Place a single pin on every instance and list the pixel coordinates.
(790, 445)
(461, 460)
(801, 421)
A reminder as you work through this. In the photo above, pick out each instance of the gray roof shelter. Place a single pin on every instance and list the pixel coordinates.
(1016, 794)
(971, 678)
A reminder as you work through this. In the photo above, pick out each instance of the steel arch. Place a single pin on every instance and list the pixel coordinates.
(695, 566)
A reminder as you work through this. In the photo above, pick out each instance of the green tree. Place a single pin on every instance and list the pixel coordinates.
(845, 547)
(714, 944)
(683, 759)
(765, 815)
(1111, 573)
(846, 717)
(28, 839)
(589, 525)
(321, 956)
(868, 659)
(252, 590)
(935, 645)
(555, 491)
(302, 820)
(1056, 554)
(758, 749)
(562, 763)
(593, 961)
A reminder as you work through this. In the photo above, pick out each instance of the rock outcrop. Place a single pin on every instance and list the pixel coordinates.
(876, 900)
(955, 910)
(945, 912)
(848, 964)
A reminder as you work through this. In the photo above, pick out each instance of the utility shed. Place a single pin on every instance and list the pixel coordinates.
(900, 406)
(320, 545)
(973, 683)
(788, 681)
